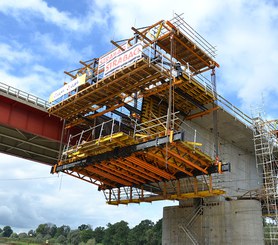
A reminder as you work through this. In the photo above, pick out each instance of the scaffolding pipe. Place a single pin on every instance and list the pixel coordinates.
(215, 113)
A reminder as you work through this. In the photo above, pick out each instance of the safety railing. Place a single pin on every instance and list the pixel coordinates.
(197, 139)
(225, 104)
(195, 37)
(24, 96)
(96, 133)
(156, 127)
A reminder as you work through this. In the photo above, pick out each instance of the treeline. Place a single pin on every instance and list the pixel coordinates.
(145, 233)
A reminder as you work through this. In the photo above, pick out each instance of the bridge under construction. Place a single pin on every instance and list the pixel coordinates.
(144, 123)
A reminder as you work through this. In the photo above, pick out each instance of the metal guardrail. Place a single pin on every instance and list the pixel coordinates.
(222, 102)
(194, 36)
(24, 96)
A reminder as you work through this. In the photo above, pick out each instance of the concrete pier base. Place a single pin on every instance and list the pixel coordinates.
(214, 223)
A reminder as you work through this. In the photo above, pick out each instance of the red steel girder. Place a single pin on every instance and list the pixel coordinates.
(15, 114)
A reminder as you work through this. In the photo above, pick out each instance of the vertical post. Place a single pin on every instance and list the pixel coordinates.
(195, 185)
(119, 195)
(210, 183)
(215, 113)
(136, 37)
(136, 100)
(130, 194)
(164, 189)
(61, 141)
(110, 195)
(178, 188)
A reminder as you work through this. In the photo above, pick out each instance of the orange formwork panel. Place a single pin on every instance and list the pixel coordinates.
(111, 90)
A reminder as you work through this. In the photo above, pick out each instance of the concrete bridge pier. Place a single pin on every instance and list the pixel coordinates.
(213, 222)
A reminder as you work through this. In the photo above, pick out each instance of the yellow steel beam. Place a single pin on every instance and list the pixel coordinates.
(89, 174)
(119, 173)
(187, 161)
(159, 30)
(197, 151)
(151, 168)
(183, 196)
(97, 170)
(169, 163)
(136, 175)
(193, 155)
(140, 171)
(77, 174)
(200, 114)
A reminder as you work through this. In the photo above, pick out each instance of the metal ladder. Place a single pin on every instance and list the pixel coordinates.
(265, 142)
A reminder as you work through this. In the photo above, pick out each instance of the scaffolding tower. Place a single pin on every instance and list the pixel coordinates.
(266, 151)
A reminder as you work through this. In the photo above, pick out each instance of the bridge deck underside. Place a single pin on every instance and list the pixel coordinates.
(28, 146)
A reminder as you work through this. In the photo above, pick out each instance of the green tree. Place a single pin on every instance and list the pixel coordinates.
(85, 235)
(14, 235)
(22, 235)
(98, 234)
(39, 238)
(86, 232)
(7, 231)
(84, 227)
(63, 230)
(91, 242)
(31, 233)
(47, 237)
(52, 230)
(42, 229)
(74, 237)
(139, 234)
(47, 229)
(116, 234)
(156, 237)
(61, 239)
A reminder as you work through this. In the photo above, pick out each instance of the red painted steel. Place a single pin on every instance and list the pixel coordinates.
(29, 119)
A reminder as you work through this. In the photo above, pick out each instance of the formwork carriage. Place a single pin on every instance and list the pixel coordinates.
(133, 143)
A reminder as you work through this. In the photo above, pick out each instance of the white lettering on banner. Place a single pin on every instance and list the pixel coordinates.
(72, 85)
(112, 54)
(126, 57)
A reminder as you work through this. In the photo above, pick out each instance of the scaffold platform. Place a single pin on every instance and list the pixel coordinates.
(131, 106)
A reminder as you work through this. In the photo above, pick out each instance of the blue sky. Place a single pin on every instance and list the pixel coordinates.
(40, 39)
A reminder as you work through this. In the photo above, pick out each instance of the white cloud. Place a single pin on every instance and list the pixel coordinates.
(14, 54)
(28, 82)
(22, 68)
(43, 198)
(61, 50)
(40, 8)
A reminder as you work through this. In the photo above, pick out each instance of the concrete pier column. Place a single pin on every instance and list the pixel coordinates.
(237, 222)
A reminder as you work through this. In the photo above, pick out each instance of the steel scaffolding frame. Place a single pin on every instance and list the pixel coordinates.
(266, 151)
